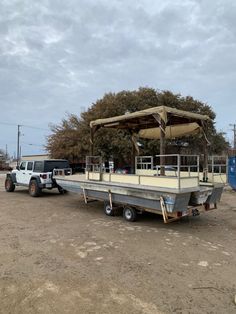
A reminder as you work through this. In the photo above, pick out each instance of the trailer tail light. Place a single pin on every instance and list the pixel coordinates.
(43, 176)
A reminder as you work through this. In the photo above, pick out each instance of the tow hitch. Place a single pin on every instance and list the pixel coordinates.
(195, 212)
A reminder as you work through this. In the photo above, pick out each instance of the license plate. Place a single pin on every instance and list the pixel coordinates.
(48, 185)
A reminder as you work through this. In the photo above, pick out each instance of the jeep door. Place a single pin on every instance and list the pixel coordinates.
(28, 172)
(20, 173)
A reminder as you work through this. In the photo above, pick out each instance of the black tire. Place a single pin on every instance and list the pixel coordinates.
(9, 185)
(34, 189)
(129, 214)
(108, 210)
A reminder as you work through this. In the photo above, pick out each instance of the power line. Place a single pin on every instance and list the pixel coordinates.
(31, 144)
(24, 125)
(6, 123)
(19, 126)
(34, 127)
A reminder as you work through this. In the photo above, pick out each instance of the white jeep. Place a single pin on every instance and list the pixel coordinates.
(37, 175)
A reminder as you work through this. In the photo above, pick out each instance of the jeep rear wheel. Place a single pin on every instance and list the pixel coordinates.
(34, 189)
(9, 185)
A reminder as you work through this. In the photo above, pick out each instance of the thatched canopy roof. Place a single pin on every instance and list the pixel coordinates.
(149, 118)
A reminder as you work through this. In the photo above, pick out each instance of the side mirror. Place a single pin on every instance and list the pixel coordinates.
(17, 168)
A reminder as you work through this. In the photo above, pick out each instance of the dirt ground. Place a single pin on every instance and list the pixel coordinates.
(58, 255)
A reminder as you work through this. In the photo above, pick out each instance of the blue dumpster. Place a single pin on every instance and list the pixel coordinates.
(232, 172)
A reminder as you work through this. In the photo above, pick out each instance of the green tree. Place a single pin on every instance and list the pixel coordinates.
(3, 154)
(71, 138)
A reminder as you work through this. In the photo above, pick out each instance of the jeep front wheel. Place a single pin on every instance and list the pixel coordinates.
(34, 189)
(9, 185)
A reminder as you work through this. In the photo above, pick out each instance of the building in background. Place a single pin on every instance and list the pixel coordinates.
(36, 157)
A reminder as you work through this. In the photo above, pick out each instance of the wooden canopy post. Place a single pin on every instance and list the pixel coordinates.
(91, 141)
(206, 143)
(205, 162)
(134, 151)
(133, 158)
(162, 148)
(162, 126)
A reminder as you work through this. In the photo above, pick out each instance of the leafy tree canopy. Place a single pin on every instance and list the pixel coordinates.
(3, 154)
(71, 138)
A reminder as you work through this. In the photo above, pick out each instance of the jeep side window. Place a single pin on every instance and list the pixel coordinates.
(38, 166)
(30, 165)
(22, 165)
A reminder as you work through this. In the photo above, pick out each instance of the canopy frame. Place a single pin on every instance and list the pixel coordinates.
(161, 117)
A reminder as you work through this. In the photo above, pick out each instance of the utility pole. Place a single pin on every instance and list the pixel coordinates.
(234, 130)
(18, 145)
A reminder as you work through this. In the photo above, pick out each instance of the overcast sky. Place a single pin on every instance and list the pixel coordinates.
(61, 56)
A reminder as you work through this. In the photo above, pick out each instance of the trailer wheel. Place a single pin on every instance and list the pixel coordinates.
(109, 211)
(9, 185)
(129, 213)
(34, 189)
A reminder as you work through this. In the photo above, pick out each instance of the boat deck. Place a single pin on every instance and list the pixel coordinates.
(82, 181)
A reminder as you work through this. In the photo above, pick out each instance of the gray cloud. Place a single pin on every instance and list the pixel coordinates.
(58, 56)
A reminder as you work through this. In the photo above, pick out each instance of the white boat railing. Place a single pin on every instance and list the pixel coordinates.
(184, 166)
(175, 165)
